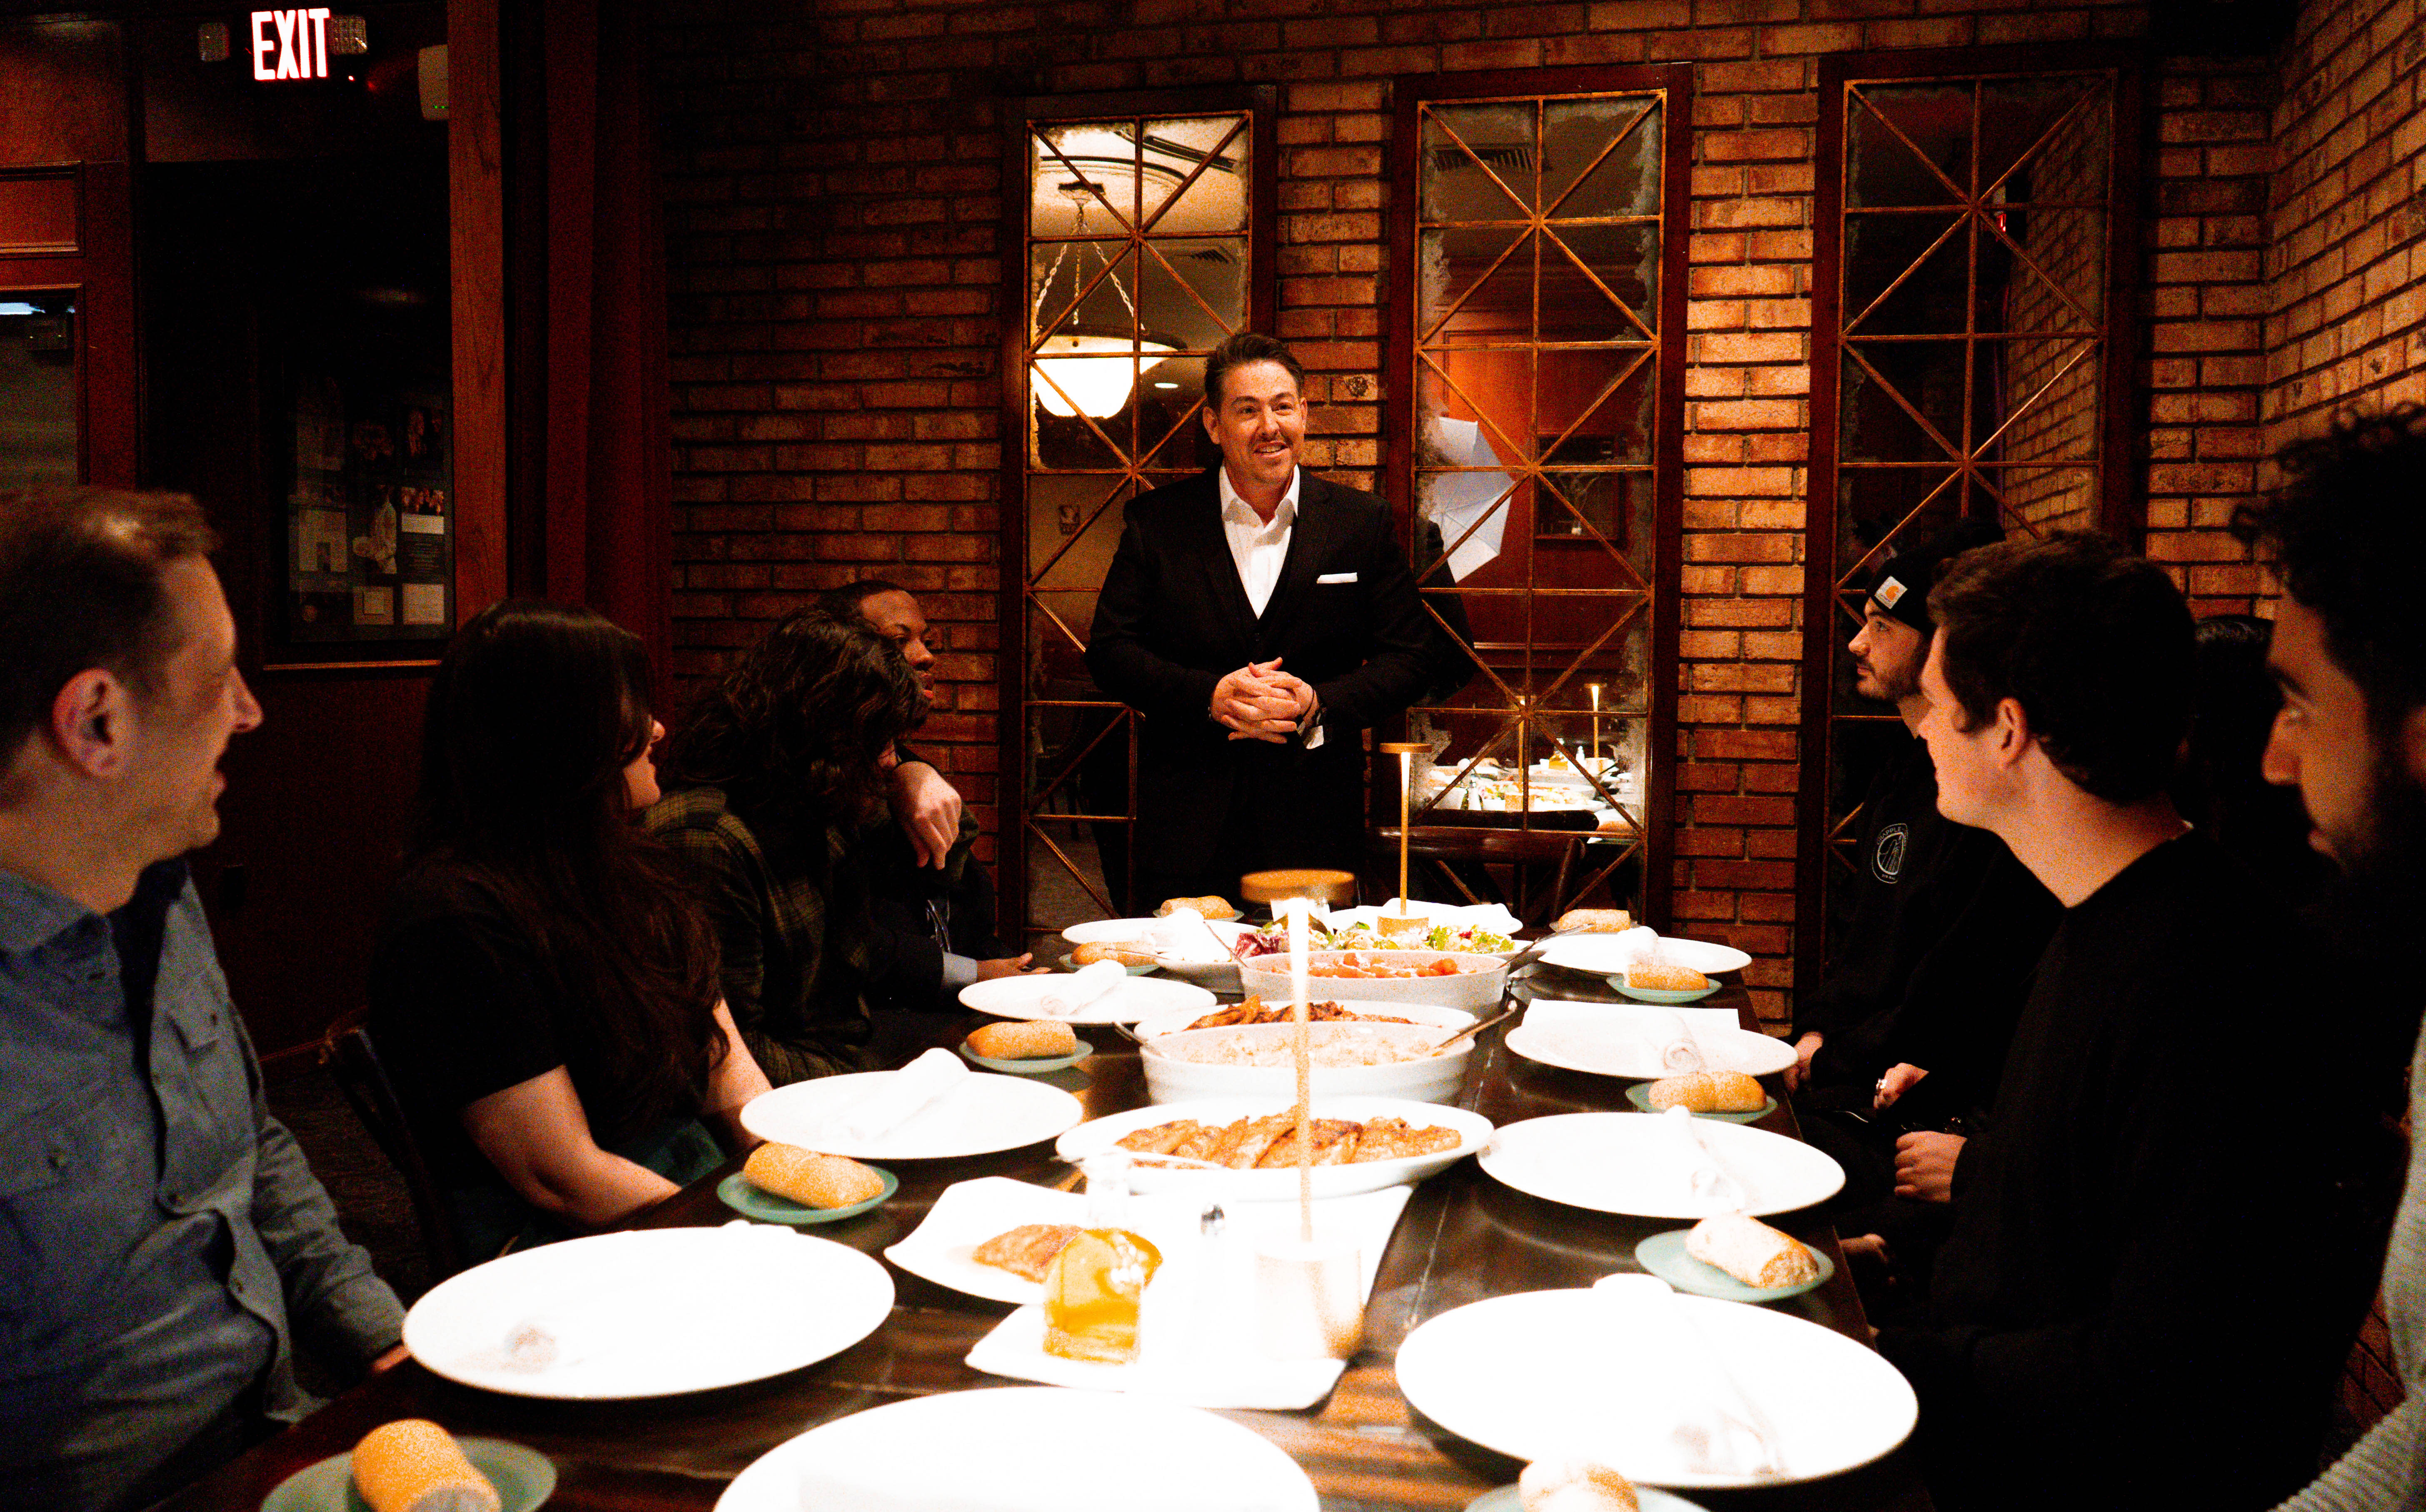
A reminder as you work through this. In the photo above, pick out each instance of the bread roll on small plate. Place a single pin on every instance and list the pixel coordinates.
(1025, 1047)
(1594, 921)
(1747, 1246)
(785, 1184)
(416, 1464)
(1694, 1092)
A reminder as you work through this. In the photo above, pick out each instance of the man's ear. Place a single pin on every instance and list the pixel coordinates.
(2413, 743)
(92, 723)
(2013, 731)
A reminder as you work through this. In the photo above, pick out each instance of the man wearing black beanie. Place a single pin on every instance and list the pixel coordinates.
(1906, 1033)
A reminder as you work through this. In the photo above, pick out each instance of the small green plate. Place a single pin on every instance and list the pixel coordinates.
(1070, 965)
(1043, 1065)
(523, 1478)
(1639, 1095)
(1649, 1498)
(1664, 995)
(1663, 1255)
(738, 1193)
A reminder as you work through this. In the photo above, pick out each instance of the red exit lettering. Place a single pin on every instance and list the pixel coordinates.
(290, 45)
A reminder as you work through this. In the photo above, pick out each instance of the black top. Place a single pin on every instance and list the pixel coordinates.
(463, 1004)
(1937, 959)
(2147, 1289)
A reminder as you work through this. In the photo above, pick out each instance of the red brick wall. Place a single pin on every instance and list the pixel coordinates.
(835, 186)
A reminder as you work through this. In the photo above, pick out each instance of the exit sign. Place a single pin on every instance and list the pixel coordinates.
(290, 45)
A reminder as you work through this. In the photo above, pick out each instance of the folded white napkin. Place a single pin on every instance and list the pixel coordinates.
(1184, 937)
(1711, 1426)
(1705, 1177)
(902, 1096)
(1638, 1035)
(1678, 1050)
(1084, 987)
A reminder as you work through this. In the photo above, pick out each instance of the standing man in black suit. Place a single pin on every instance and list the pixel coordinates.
(1260, 618)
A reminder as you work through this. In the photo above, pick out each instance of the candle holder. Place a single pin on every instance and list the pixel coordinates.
(1405, 750)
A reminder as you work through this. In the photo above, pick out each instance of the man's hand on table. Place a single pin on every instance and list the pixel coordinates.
(1009, 966)
(394, 1358)
(1805, 1048)
(928, 810)
(1925, 1166)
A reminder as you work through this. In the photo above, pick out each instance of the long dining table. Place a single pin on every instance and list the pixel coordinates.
(1463, 1237)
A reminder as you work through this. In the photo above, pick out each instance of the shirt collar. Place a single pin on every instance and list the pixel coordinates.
(32, 915)
(1234, 508)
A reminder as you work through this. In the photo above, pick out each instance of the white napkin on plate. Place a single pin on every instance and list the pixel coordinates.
(1714, 1428)
(902, 1096)
(1706, 1176)
(1084, 987)
(1183, 936)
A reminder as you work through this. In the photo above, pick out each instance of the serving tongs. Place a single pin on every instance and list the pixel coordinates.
(1507, 1010)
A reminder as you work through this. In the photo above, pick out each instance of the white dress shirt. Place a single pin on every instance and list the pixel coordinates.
(1260, 549)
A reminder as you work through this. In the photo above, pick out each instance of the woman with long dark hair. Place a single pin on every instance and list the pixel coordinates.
(779, 767)
(544, 987)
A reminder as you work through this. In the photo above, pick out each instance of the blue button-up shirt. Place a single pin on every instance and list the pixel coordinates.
(161, 1238)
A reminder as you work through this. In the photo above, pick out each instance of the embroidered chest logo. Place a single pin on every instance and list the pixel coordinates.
(1886, 857)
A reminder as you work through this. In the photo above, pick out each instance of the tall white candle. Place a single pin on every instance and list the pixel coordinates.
(1298, 920)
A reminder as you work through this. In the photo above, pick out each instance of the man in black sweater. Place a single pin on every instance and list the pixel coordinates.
(2146, 1292)
(1908, 1030)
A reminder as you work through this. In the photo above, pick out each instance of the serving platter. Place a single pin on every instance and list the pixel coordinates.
(1279, 1184)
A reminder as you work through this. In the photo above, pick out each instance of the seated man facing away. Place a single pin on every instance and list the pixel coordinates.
(2094, 1326)
(164, 1242)
(2344, 539)
(1909, 1028)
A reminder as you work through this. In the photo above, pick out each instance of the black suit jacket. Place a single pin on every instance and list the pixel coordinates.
(1173, 619)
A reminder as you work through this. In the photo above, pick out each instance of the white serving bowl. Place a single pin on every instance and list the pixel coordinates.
(1279, 1184)
(1447, 1019)
(1476, 987)
(1170, 1077)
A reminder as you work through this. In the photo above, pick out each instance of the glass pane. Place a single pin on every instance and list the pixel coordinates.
(1617, 503)
(1600, 400)
(1877, 415)
(1060, 388)
(1074, 522)
(2056, 130)
(1194, 292)
(2049, 390)
(1492, 293)
(1478, 162)
(2044, 499)
(1058, 273)
(1878, 505)
(1893, 135)
(1056, 636)
(1066, 862)
(2059, 282)
(1625, 261)
(39, 429)
(1085, 180)
(1623, 183)
(1879, 250)
(1216, 201)
(1492, 388)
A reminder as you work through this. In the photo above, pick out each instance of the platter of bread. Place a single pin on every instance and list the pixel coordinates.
(1643, 1165)
(1025, 1449)
(1191, 1148)
(649, 1312)
(1645, 1381)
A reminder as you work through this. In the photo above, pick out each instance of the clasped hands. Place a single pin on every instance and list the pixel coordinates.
(1259, 701)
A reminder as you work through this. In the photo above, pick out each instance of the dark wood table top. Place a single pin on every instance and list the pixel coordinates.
(1463, 1237)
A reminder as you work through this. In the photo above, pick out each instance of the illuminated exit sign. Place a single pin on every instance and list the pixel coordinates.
(290, 45)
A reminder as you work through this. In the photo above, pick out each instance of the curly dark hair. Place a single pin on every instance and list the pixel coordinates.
(2095, 643)
(535, 713)
(1244, 347)
(794, 731)
(2344, 535)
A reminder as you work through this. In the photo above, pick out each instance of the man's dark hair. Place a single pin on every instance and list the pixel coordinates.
(843, 602)
(80, 588)
(793, 731)
(2344, 535)
(1244, 347)
(2095, 643)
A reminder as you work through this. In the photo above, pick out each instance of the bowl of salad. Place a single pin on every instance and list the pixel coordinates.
(1446, 979)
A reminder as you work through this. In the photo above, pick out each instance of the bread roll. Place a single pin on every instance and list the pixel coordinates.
(1751, 1252)
(1119, 950)
(810, 1179)
(1032, 1040)
(1575, 1485)
(413, 1465)
(1210, 906)
(1663, 978)
(1707, 1092)
(1594, 921)
(1026, 1250)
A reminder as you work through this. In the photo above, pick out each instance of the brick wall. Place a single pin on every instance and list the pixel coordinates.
(833, 185)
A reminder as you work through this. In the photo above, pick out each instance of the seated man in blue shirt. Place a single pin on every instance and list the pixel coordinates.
(162, 1242)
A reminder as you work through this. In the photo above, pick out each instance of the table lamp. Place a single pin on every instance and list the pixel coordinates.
(1405, 750)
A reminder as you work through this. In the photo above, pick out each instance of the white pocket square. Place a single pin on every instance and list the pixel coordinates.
(1336, 577)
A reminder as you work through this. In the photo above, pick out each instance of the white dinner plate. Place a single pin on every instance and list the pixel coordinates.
(1541, 1374)
(980, 1115)
(1614, 1052)
(1647, 1498)
(1279, 1184)
(651, 1312)
(1448, 1018)
(1112, 931)
(1601, 953)
(1025, 1449)
(1025, 997)
(1625, 1163)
